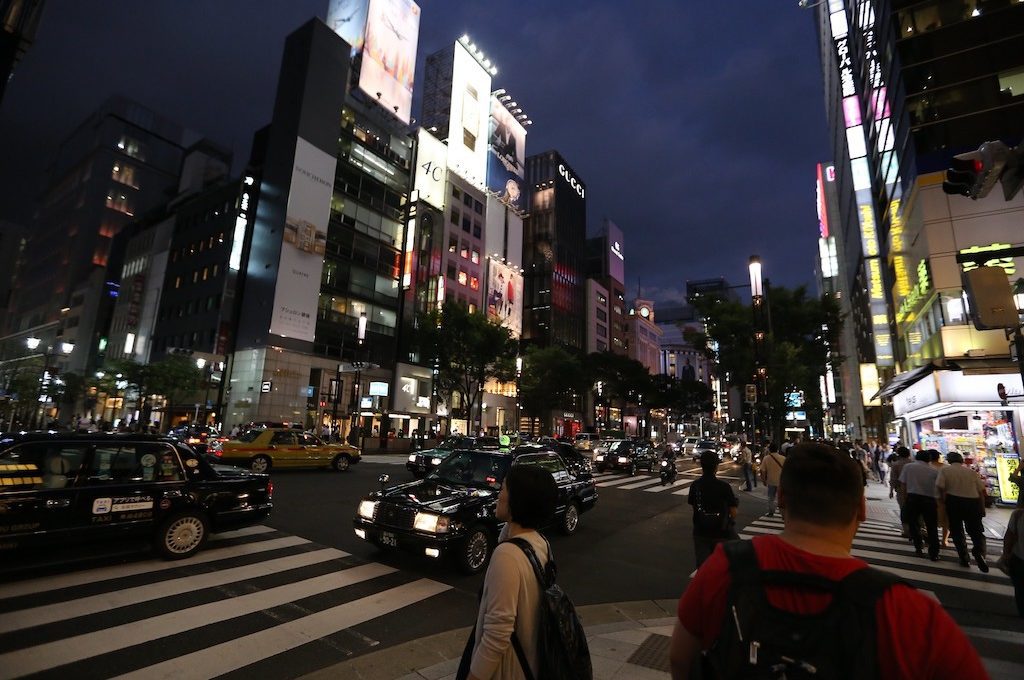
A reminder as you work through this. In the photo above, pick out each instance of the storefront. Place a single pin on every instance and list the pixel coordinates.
(951, 410)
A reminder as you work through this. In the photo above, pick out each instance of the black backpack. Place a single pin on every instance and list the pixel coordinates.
(709, 519)
(758, 640)
(561, 642)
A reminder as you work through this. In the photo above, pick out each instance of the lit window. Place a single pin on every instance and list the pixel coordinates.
(125, 174)
(476, 256)
(474, 283)
(464, 251)
(216, 270)
(472, 308)
(463, 277)
(206, 273)
(453, 244)
(177, 282)
(195, 276)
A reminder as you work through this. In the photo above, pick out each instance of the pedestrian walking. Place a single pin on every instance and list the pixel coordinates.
(963, 494)
(1012, 559)
(883, 469)
(805, 581)
(509, 613)
(943, 517)
(714, 508)
(918, 482)
(895, 488)
(747, 465)
(771, 470)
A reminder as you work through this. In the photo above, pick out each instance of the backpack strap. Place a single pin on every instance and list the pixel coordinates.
(544, 575)
(531, 555)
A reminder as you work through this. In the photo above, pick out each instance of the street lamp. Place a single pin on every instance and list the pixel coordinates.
(359, 365)
(519, 404)
(33, 343)
(757, 303)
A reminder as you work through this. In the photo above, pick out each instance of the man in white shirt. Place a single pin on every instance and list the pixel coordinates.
(918, 479)
(963, 492)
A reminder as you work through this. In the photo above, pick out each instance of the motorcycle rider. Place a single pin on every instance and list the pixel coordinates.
(668, 466)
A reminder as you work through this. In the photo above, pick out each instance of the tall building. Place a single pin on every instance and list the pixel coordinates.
(19, 21)
(606, 264)
(908, 85)
(13, 239)
(116, 166)
(644, 336)
(553, 238)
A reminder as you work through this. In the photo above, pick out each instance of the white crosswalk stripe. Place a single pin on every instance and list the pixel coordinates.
(323, 591)
(385, 458)
(880, 545)
(650, 483)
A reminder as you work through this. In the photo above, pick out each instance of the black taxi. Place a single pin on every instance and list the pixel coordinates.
(421, 463)
(64, 488)
(450, 513)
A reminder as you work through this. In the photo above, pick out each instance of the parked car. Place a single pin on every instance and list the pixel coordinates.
(586, 441)
(450, 513)
(263, 450)
(421, 463)
(627, 455)
(64, 488)
(708, 445)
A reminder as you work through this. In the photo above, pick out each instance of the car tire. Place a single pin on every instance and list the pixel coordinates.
(340, 463)
(260, 463)
(570, 519)
(181, 535)
(475, 551)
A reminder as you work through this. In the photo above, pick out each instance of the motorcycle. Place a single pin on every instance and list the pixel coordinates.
(668, 470)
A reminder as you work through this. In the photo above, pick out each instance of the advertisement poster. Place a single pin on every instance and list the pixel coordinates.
(468, 122)
(389, 54)
(616, 256)
(506, 143)
(1006, 465)
(505, 296)
(305, 240)
(431, 169)
(347, 18)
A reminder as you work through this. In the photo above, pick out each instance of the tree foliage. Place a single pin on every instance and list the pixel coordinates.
(552, 379)
(176, 377)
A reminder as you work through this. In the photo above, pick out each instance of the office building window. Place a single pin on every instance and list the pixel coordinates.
(177, 282)
(466, 223)
(451, 271)
(467, 200)
(474, 283)
(601, 315)
(478, 207)
(464, 251)
(120, 203)
(463, 277)
(476, 229)
(455, 192)
(131, 147)
(453, 243)
(125, 174)
(455, 216)
(476, 256)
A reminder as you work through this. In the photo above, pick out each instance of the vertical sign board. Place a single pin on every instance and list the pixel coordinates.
(506, 143)
(347, 18)
(305, 240)
(616, 256)
(389, 54)
(505, 296)
(468, 120)
(431, 169)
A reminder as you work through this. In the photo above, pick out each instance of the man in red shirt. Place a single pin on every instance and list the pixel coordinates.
(821, 496)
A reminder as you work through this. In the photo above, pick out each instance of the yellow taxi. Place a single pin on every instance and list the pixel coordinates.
(262, 450)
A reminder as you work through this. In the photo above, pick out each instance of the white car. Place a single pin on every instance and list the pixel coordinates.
(687, 445)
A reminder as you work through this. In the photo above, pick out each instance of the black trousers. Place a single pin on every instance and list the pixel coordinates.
(1017, 578)
(965, 512)
(919, 508)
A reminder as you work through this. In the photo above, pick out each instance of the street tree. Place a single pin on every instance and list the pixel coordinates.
(621, 379)
(468, 349)
(176, 377)
(552, 380)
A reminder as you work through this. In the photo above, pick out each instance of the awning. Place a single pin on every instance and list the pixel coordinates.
(905, 380)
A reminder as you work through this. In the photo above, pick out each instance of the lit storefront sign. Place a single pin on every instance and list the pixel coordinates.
(576, 185)
(916, 294)
(241, 224)
(820, 202)
(1005, 263)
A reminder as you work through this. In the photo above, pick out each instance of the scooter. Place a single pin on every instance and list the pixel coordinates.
(668, 470)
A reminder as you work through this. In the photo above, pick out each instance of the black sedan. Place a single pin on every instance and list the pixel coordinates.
(627, 455)
(423, 462)
(451, 512)
(708, 445)
(63, 488)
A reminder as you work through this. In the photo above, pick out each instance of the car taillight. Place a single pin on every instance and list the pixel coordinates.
(218, 453)
(270, 490)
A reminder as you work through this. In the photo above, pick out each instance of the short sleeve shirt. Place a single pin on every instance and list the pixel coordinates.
(714, 493)
(920, 478)
(900, 655)
(961, 481)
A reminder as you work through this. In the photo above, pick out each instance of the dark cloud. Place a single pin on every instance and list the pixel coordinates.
(695, 125)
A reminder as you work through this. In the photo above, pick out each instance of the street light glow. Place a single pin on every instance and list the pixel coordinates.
(756, 289)
(32, 343)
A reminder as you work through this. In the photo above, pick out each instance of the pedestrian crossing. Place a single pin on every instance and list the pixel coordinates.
(879, 544)
(650, 483)
(250, 597)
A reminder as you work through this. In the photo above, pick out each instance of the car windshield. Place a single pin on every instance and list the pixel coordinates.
(449, 444)
(707, 443)
(249, 436)
(619, 447)
(472, 468)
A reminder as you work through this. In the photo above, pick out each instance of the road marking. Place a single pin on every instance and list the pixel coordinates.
(60, 611)
(244, 651)
(682, 492)
(69, 650)
(145, 567)
(616, 482)
(674, 485)
(645, 482)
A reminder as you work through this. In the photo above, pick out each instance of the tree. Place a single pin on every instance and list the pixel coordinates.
(175, 377)
(468, 349)
(552, 379)
(620, 378)
(801, 342)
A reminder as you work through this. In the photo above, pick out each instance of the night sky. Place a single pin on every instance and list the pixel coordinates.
(695, 124)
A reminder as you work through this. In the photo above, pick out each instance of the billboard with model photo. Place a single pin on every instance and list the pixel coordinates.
(305, 240)
(505, 296)
(506, 142)
(389, 54)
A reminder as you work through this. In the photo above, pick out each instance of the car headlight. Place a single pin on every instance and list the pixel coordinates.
(623, 459)
(367, 508)
(435, 524)
(435, 461)
(599, 458)
(412, 458)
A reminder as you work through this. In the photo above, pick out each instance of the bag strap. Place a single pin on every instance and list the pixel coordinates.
(521, 654)
(531, 555)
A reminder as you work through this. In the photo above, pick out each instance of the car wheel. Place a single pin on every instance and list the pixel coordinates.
(476, 550)
(571, 519)
(340, 462)
(181, 535)
(260, 464)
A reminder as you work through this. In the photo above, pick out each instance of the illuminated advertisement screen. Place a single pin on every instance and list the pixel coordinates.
(506, 143)
(503, 231)
(468, 120)
(347, 18)
(616, 256)
(389, 54)
(505, 296)
(431, 169)
(305, 241)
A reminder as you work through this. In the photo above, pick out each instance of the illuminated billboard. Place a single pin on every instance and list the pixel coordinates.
(505, 296)
(347, 18)
(468, 121)
(305, 241)
(389, 54)
(503, 231)
(616, 257)
(506, 142)
(431, 169)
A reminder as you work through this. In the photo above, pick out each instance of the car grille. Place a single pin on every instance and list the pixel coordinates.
(395, 516)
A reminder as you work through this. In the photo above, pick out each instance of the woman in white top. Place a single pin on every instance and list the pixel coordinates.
(511, 597)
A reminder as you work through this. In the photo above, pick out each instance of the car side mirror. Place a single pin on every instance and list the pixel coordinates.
(383, 480)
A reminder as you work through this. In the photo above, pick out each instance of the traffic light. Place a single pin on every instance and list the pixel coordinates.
(975, 173)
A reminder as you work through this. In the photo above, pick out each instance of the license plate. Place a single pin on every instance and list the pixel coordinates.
(388, 538)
